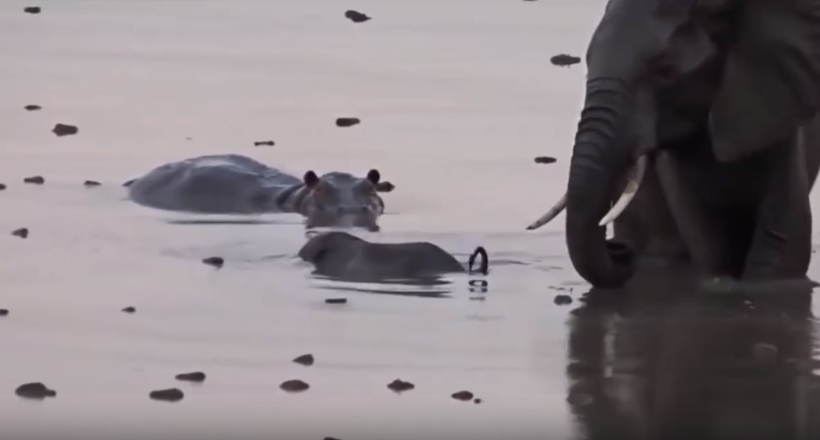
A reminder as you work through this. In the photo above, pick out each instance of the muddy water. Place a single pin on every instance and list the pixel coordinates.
(456, 98)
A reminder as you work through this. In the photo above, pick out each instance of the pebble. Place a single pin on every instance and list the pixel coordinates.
(336, 301)
(22, 232)
(347, 122)
(32, 107)
(562, 300)
(356, 16)
(196, 376)
(3, 186)
(263, 143)
(91, 183)
(65, 130)
(129, 310)
(4, 312)
(564, 60)
(169, 395)
(32, 9)
(305, 359)
(477, 401)
(294, 386)
(399, 386)
(214, 261)
(462, 395)
(545, 159)
(34, 390)
(36, 180)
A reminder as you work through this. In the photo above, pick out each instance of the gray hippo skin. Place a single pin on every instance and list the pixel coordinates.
(713, 104)
(341, 255)
(235, 184)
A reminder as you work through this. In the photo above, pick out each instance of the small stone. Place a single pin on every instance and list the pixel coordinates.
(196, 376)
(462, 395)
(214, 261)
(65, 130)
(34, 390)
(347, 122)
(90, 183)
(356, 16)
(545, 159)
(35, 180)
(476, 401)
(32, 107)
(3, 186)
(765, 352)
(264, 143)
(564, 60)
(129, 183)
(22, 232)
(562, 300)
(169, 395)
(294, 386)
(305, 359)
(400, 386)
(129, 310)
(4, 312)
(385, 187)
(336, 301)
(32, 9)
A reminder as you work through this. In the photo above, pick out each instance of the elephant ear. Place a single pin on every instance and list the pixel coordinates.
(771, 82)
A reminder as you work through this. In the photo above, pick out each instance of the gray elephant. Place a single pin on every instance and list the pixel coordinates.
(345, 256)
(235, 184)
(713, 105)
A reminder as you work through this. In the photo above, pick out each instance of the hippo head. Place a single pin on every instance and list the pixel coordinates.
(343, 200)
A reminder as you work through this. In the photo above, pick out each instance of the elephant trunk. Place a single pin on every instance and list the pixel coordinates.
(600, 158)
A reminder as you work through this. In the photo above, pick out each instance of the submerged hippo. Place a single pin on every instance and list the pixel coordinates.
(235, 184)
(341, 255)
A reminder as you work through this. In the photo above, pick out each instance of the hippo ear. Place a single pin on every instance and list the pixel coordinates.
(770, 83)
(374, 176)
(311, 179)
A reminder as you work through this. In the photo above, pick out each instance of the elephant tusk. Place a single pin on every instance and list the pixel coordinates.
(632, 185)
(551, 214)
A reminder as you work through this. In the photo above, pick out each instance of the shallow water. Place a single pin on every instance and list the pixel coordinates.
(456, 98)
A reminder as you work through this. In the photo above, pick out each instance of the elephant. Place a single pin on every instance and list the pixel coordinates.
(705, 114)
(341, 255)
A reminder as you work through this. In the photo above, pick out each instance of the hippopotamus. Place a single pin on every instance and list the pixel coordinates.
(339, 254)
(236, 184)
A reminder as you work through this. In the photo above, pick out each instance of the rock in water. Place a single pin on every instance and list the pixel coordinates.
(22, 232)
(462, 395)
(336, 301)
(3, 186)
(169, 395)
(263, 143)
(32, 10)
(90, 183)
(564, 60)
(35, 180)
(347, 122)
(400, 386)
(32, 107)
(214, 261)
(196, 376)
(294, 386)
(356, 16)
(562, 300)
(305, 359)
(65, 130)
(34, 390)
(545, 159)
(129, 310)
(4, 312)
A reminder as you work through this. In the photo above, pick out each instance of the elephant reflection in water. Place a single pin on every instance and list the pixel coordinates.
(650, 364)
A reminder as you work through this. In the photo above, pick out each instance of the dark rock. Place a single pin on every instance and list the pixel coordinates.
(385, 187)
(214, 261)
(264, 143)
(562, 300)
(545, 159)
(169, 395)
(65, 130)
(305, 359)
(336, 301)
(36, 180)
(3, 186)
(462, 395)
(400, 386)
(129, 183)
(90, 183)
(347, 122)
(4, 312)
(196, 376)
(294, 386)
(32, 9)
(129, 310)
(34, 390)
(564, 60)
(32, 107)
(22, 232)
(477, 401)
(356, 16)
